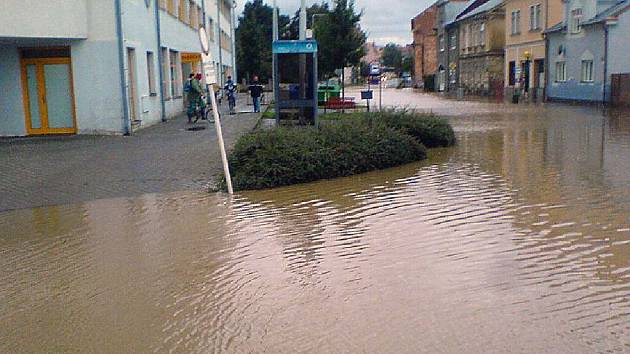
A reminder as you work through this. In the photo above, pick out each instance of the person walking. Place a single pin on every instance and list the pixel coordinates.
(256, 90)
(195, 95)
(230, 92)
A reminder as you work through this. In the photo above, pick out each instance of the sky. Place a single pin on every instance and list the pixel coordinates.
(385, 21)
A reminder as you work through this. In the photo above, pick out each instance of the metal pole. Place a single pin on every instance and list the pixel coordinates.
(121, 65)
(380, 93)
(273, 57)
(217, 124)
(220, 73)
(303, 20)
(160, 58)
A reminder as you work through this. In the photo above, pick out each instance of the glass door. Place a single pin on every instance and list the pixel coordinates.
(48, 96)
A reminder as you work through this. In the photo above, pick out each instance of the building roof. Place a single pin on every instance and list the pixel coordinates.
(453, 19)
(555, 28)
(477, 7)
(452, 9)
(614, 10)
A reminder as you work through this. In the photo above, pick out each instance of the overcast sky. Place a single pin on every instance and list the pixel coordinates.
(384, 20)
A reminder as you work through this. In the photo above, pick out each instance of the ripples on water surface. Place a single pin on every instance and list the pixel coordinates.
(517, 240)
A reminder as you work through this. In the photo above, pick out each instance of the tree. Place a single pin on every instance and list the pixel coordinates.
(392, 57)
(341, 40)
(253, 40)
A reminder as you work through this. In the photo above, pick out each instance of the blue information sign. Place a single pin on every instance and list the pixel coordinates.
(294, 47)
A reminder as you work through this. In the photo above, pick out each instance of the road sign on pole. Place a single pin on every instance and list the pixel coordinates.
(211, 80)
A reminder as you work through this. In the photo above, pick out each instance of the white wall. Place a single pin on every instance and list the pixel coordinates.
(44, 18)
(96, 73)
(12, 121)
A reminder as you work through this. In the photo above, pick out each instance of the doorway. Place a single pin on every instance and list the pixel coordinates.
(48, 93)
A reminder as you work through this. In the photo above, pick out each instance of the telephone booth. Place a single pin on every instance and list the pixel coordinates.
(295, 85)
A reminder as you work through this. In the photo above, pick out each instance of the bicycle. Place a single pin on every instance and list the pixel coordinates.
(201, 112)
(232, 103)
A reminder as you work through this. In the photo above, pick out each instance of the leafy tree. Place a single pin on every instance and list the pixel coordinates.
(391, 56)
(253, 40)
(341, 40)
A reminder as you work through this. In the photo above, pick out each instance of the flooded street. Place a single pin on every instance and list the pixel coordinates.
(515, 240)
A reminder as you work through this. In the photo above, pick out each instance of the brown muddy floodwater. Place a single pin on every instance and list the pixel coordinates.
(516, 240)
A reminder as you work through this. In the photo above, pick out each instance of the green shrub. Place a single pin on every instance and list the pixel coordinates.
(430, 130)
(285, 156)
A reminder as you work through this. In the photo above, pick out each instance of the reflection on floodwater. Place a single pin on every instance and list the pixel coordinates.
(515, 240)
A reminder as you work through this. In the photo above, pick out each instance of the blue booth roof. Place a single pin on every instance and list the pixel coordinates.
(294, 47)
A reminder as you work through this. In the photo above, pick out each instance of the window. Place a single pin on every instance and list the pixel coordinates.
(467, 36)
(165, 71)
(534, 17)
(210, 29)
(482, 34)
(441, 43)
(453, 41)
(176, 81)
(576, 20)
(516, 21)
(192, 16)
(151, 73)
(561, 71)
(199, 18)
(587, 70)
(183, 11)
(512, 73)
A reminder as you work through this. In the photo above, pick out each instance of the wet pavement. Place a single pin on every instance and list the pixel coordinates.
(165, 157)
(517, 240)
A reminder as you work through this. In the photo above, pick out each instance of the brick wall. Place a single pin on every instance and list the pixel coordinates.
(425, 43)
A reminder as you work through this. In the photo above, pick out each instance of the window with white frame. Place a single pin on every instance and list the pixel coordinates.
(210, 29)
(587, 70)
(453, 40)
(175, 66)
(561, 71)
(482, 34)
(466, 36)
(441, 43)
(534, 17)
(516, 21)
(576, 20)
(165, 72)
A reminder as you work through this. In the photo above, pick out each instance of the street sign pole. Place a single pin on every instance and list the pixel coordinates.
(211, 80)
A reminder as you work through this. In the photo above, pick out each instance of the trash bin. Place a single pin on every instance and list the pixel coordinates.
(294, 92)
(515, 97)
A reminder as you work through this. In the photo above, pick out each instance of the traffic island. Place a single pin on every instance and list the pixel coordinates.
(343, 145)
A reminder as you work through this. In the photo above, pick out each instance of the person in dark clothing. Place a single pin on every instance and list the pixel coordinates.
(256, 90)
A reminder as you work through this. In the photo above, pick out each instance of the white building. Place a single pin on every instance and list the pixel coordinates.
(103, 66)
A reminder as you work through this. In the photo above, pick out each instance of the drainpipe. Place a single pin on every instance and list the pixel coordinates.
(220, 42)
(160, 59)
(605, 63)
(547, 66)
(121, 66)
(232, 41)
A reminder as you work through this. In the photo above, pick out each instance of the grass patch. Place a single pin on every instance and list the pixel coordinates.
(345, 145)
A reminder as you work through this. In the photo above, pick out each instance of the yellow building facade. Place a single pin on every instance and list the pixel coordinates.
(525, 22)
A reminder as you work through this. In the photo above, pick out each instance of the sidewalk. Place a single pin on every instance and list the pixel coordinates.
(165, 157)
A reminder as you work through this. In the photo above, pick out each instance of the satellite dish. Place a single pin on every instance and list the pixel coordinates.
(203, 39)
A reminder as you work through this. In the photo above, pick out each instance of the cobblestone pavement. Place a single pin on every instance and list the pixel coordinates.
(165, 157)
